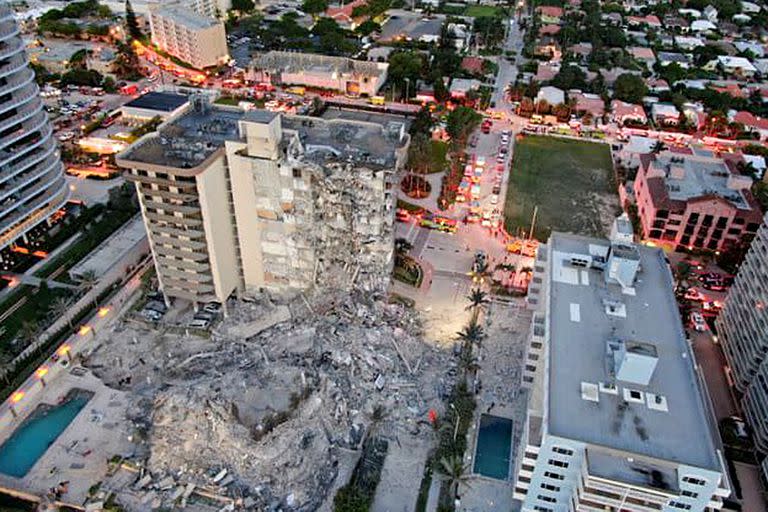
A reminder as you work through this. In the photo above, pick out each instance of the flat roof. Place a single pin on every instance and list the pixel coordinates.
(700, 174)
(187, 140)
(585, 314)
(113, 249)
(184, 16)
(160, 101)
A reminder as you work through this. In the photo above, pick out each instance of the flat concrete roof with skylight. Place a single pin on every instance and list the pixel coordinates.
(620, 372)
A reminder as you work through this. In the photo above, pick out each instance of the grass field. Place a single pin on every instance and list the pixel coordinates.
(571, 183)
(479, 11)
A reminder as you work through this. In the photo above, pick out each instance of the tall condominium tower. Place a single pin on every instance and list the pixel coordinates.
(237, 201)
(743, 330)
(32, 185)
(617, 419)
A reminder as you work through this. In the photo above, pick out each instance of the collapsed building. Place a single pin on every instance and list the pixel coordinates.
(270, 412)
(242, 202)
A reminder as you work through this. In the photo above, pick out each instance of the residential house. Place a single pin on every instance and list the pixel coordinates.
(703, 26)
(583, 50)
(752, 123)
(733, 90)
(736, 66)
(549, 30)
(710, 13)
(676, 24)
(547, 71)
(460, 87)
(458, 35)
(550, 14)
(667, 58)
(657, 85)
(588, 104)
(551, 95)
(472, 65)
(643, 54)
(639, 21)
(623, 112)
(695, 115)
(688, 43)
(695, 200)
(342, 14)
(749, 7)
(752, 47)
(665, 114)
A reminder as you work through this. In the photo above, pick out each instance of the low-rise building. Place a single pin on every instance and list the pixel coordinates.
(737, 66)
(617, 419)
(752, 123)
(236, 202)
(550, 14)
(623, 112)
(695, 200)
(349, 76)
(154, 104)
(195, 39)
(551, 95)
(588, 104)
(665, 114)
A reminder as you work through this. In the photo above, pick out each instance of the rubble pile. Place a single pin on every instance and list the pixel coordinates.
(275, 409)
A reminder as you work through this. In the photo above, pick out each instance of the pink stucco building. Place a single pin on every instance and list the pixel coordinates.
(695, 199)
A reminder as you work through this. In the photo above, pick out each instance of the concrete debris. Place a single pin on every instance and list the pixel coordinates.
(265, 415)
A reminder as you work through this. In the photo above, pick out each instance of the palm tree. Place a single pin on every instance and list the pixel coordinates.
(456, 472)
(88, 280)
(472, 334)
(59, 307)
(468, 363)
(479, 272)
(478, 301)
(29, 330)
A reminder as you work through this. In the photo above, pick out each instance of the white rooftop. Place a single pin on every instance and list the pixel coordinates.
(605, 341)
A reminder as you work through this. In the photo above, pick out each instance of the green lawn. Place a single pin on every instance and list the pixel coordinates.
(478, 11)
(570, 181)
(34, 311)
(439, 160)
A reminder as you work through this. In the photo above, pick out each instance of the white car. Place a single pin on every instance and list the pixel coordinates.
(697, 319)
(494, 199)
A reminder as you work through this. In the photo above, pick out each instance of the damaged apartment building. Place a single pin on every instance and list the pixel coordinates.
(242, 201)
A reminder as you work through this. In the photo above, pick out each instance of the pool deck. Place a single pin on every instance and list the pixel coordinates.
(80, 454)
(501, 366)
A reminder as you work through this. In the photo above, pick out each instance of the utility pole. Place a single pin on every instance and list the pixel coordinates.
(533, 221)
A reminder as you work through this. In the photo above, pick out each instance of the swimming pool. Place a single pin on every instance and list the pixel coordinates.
(494, 443)
(38, 432)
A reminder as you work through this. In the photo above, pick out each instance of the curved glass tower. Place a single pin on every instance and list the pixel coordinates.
(32, 185)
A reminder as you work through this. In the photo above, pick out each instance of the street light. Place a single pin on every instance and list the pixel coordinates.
(458, 418)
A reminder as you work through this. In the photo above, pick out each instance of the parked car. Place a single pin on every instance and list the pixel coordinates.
(213, 307)
(697, 320)
(200, 324)
(204, 315)
(694, 294)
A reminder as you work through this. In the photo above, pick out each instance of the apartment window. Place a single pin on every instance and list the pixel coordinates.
(700, 241)
(689, 229)
(558, 463)
(739, 221)
(734, 231)
(681, 506)
(548, 499)
(550, 487)
(685, 239)
(708, 220)
(530, 368)
(722, 222)
(526, 467)
(693, 480)
(690, 494)
(554, 476)
(562, 451)
(296, 172)
(539, 508)
(693, 218)
(662, 214)
(752, 227)
(658, 223)
(712, 244)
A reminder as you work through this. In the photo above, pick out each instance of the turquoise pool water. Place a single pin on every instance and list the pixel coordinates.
(39, 431)
(494, 443)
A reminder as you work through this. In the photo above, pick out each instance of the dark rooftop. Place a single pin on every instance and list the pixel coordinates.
(160, 101)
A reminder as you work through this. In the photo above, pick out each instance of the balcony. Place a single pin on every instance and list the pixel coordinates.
(17, 81)
(12, 228)
(9, 31)
(28, 127)
(19, 182)
(16, 63)
(178, 253)
(179, 221)
(28, 107)
(13, 47)
(46, 150)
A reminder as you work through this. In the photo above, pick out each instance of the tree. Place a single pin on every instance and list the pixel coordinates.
(472, 335)
(126, 64)
(420, 154)
(88, 280)
(314, 7)
(460, 123)
(478, 301)
(405, 65)
(367, 27)
(59, 307)
(630, 88)
(243, 6)
(131, 23)
(490, 30)
(29, 330)
(455, 471)
(570, 77)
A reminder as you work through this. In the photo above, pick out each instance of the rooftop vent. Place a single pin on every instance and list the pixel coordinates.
(623, 264)
(633, 361)
(656, 402)
(589, 391)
